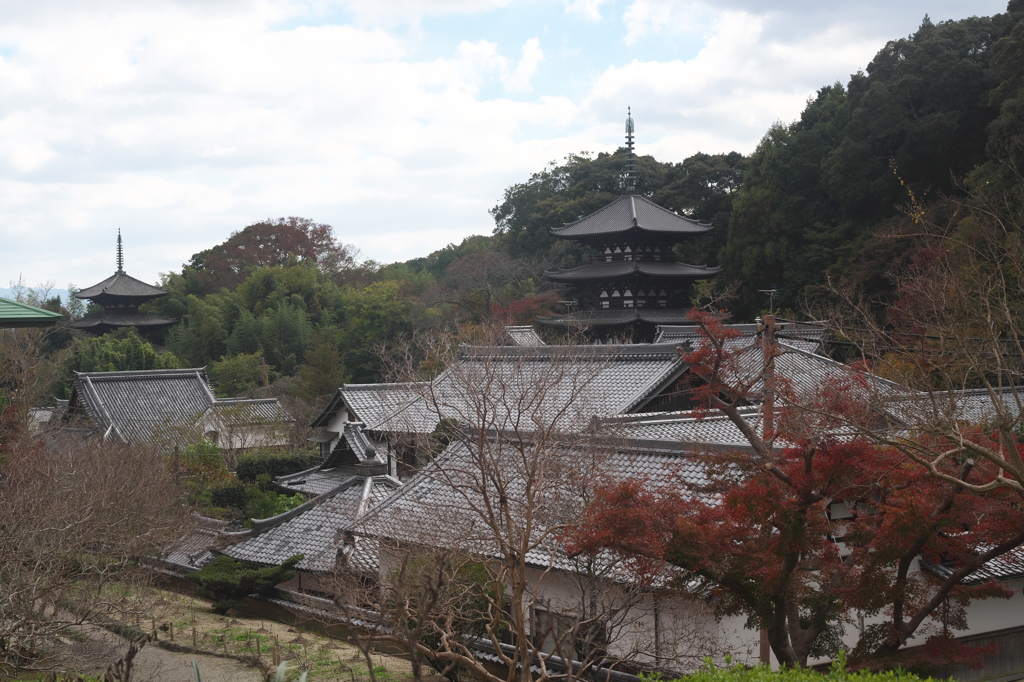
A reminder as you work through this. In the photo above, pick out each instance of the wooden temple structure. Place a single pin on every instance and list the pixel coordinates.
(121, 295)
(633, 284)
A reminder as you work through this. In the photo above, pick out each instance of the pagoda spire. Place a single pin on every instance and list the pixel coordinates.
(630, 159)
(120, 254)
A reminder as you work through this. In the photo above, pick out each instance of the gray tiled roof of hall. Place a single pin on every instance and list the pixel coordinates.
(1005, 567)
(539, 385)
(523, 335)
(683, 428)
(315, 481)
(316, 528)
(249, 410)
(139, 406)
(630, 212)
(436, 507)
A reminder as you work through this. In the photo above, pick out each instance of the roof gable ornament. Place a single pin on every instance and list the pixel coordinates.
(630, 174)
(120, 254)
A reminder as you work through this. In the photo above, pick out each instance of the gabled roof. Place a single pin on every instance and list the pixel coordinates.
(806, 336)
(623, 269)
(247, 410)
(317, 528)
(615, 379)
(631, 213)
(16, 315)
(573, 383)
(143, 405)
(436, 507)
(521, 336)
(121, 285)
(165, 405)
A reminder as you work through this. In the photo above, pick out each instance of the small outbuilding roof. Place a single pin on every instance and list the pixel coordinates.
(17, 315)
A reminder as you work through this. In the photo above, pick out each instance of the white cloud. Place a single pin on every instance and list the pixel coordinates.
(588, 9)
(519, 80)
(183, 121)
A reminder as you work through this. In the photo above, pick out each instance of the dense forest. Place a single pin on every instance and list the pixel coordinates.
(284, 306)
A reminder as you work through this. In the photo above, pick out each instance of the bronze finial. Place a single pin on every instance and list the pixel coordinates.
(630, 159)
(120, 254)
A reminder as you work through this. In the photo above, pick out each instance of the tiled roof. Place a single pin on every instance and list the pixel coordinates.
(522, 336)
(801, 335)
(606, 318)
(115, 318)
(438, 507)
(14, 314)
(314, 481)
(631, 212)
(160, 404)
(1005, 567)
(538, 384)
(609, 271)
(122, 285)
(248, 410)
(316, 529)
(373, 404)
(682, 428)
(195, 550)
(144, 405)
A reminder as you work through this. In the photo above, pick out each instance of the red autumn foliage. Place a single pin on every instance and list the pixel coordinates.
(273, 242)
(810, 526)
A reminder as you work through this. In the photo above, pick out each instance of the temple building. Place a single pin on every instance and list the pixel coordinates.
(633, 283)
(121, 295)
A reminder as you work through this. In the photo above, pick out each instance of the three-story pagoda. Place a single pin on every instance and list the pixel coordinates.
(633, 283)
(121, 295)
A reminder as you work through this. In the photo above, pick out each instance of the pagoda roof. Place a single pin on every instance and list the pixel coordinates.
(631, 213)
(615, 270)
(14, 314)
(618, 317)
(121, 285)
(112, 319)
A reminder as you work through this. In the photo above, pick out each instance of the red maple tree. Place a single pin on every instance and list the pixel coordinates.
(810, 529)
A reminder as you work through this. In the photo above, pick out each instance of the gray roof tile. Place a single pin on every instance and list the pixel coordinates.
(631, 212)
(316, 529)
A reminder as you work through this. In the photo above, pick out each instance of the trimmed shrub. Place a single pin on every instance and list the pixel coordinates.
(252, 465)
(229, 581)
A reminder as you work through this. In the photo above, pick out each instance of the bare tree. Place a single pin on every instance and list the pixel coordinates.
(953, 340)
(74, 516)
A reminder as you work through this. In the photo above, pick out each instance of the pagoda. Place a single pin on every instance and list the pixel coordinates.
(633, 284)
(121, 295)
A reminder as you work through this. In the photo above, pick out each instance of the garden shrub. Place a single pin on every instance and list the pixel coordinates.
(229, 581)
(252, 465)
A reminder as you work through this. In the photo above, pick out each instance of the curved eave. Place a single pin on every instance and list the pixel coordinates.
(117, 321)
(120, 286)
(633, 269)
(612, 318)
(630, 213)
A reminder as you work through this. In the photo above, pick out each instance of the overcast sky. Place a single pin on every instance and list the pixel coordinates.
(399, 122)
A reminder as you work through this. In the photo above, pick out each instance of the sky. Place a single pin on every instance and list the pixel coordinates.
(398, 122)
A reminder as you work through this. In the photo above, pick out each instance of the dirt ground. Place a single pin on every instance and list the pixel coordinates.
(226, 647)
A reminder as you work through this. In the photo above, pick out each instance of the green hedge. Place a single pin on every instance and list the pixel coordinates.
(252, 465)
